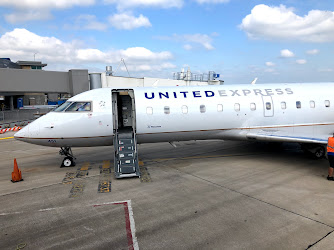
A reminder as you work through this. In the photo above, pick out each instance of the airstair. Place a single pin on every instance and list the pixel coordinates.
(126, 156)
(125, 143)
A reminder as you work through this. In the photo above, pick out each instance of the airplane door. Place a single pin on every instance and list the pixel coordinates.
(268, 106)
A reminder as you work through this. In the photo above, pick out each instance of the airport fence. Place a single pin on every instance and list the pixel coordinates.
(20, 117)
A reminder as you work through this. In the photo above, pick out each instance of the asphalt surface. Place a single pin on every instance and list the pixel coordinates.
(200, 195)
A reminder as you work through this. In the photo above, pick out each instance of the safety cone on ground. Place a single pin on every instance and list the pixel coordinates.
(16, 174)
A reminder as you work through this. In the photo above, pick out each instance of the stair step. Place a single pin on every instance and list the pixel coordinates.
(126, 155)
(125, 148)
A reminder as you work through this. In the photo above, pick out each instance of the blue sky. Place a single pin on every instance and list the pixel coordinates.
(276, 41)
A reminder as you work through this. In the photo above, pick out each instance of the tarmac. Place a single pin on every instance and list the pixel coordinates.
(199, 195)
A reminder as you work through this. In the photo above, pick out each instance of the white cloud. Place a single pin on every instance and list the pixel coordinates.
(287, 53)
(281, 23)
(29, 15)
(126, 21)
(187, 47)
(46, 4)
(270, 64)
(21, 44)
(270, 70)
(31, 10)
(312, 52)
(191, 40)
(301, 61)
(128, 4)
(212, 1)
(326, 70)
(87, 22)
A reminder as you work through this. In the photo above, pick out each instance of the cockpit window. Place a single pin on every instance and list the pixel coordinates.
(79, 106)
(62, 107)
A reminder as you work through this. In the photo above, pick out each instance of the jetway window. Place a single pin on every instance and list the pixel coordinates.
(252, 106)
(167, 110)
(149, 110)
(237, 107)
(184, 109)
(283, 105)
(220, 107)
(312, 104)
(202, 108)
(62, 107)
(327, 104)
(79, 106)
(298, 104)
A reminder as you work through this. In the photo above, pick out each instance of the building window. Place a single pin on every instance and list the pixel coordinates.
(327, 104)
(149, 110)
(283, 105)
(220, 107)
(184, 109)
(237, 107)
(298, 104)
(202, 108)
(167, 110)
(253, 106)
(312, 104)
(268, 106)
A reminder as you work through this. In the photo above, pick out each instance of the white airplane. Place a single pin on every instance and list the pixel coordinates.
(302, 113)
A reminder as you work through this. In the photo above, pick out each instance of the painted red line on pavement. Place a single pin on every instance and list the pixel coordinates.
(127, 221)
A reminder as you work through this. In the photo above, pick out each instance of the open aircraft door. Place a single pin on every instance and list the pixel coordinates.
(125, 142)
(268, 106)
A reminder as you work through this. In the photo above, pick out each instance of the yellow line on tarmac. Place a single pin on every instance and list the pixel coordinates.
(195, 157)
(6, 138)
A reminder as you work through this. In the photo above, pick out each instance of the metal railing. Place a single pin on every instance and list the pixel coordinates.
(10, 118)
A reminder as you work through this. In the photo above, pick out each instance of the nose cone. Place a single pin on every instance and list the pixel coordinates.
(24, 132)
(29, 132)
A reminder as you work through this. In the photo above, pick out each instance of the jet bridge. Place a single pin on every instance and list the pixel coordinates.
(125, 143)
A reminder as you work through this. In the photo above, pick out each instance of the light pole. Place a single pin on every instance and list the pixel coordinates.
(35, 55)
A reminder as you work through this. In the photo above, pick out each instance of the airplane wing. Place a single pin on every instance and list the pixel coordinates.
(262, 136)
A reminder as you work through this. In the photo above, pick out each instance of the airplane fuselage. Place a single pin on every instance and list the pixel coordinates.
(265, 112)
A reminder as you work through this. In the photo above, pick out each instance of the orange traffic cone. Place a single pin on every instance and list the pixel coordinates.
(16, 174)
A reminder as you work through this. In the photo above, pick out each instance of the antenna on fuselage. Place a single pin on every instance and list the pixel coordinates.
(254, 81)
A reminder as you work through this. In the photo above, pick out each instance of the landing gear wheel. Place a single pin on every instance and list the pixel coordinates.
(68, 162)
(69, 158)
(319, 153)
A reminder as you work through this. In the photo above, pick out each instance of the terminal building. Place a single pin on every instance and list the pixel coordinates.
(25, 85)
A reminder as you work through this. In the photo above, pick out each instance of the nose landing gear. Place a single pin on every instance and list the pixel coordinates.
(69, 158)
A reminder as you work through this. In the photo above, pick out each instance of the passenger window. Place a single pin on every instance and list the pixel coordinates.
(298, 104)
(312, 104)
(220, 107)
(202, 108)
(283, 105)
(62, 107)
(149, 110)
(79, 106)
(237, 107)
(184, 109)
(327, 104)
(268, 106)
(252, 106)
(166, 110)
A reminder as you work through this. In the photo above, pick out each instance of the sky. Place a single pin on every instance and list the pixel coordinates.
(273, 40)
